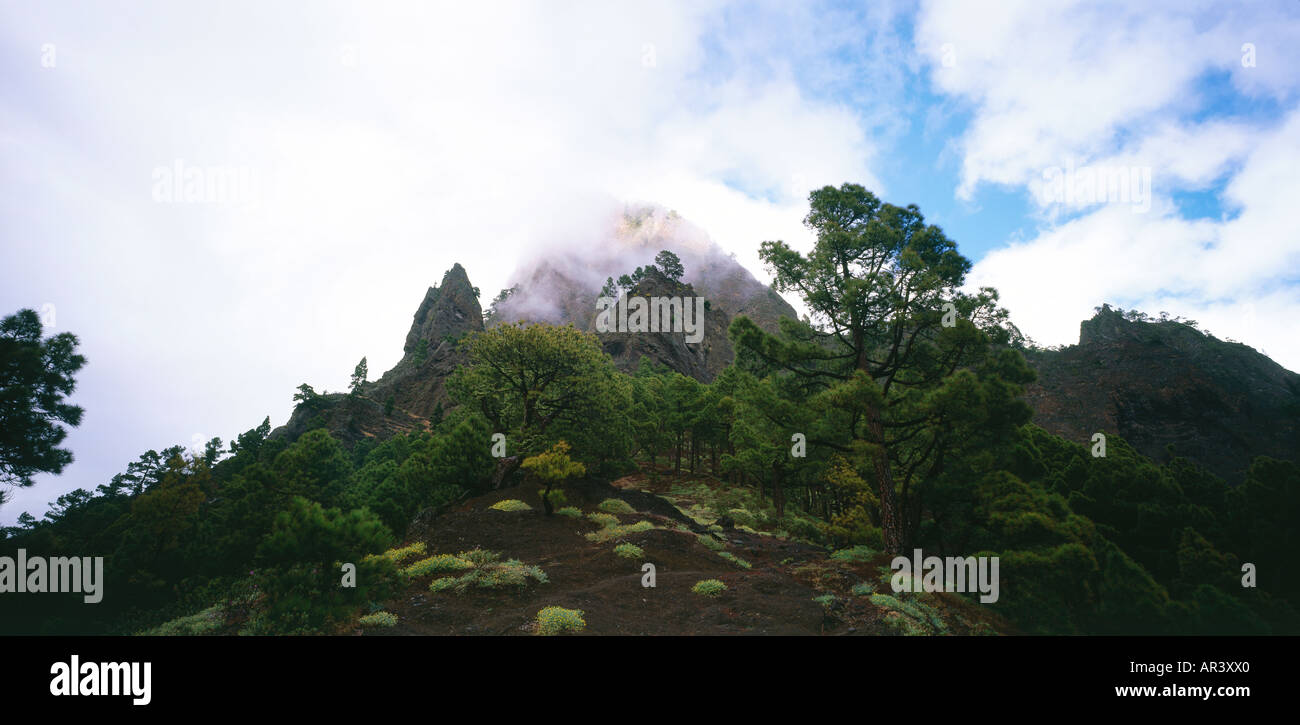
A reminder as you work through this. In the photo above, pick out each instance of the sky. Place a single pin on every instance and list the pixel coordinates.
(225, 200)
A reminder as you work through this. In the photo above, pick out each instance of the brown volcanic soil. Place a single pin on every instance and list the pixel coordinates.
(775, 596)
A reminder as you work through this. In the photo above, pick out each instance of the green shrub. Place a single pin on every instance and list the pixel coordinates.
(856, 554)
(616, 506)
(205, 622)
(489, 573)
(604, 520)
(297, 585)
(615, 532)
(558, 620)
(742, 518)
(510, 504)
(479, 557)
(711, 542)
(436, 564)
(864, 589)
(572, 512)
(803, 527)
(397, 556)
(734, 559)
(443, 584)
(709, 587)
(826, 600)
(379, 619)
(629, 551)
(910, 616)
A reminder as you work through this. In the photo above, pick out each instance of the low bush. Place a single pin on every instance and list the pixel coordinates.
(379, 619)
(616, 532)
(436, 564)
(616, 506)
(629, 551)
(709, 587)
(734, 559)
(558, 620)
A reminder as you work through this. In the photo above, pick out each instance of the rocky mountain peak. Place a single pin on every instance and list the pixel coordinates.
(448, 311)
(1107, 325)
(560, 286)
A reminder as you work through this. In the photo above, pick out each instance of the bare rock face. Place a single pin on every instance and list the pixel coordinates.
(448, 311)
(702, 360)
(1164, 383)
(416, 385)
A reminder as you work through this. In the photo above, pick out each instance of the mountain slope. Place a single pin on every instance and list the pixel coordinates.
(781, 585)
(562, 286)
(1164, 383)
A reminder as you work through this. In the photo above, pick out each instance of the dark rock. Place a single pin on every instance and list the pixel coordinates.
(1159, 384)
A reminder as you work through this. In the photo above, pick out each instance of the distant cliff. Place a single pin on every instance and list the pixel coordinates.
(1162, 384)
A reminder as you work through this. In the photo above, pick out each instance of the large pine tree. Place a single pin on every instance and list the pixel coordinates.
(897, 360)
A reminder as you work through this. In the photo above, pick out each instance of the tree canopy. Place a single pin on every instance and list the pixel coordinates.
(36, 376)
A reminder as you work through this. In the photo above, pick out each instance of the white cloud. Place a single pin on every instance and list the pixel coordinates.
(1119, 85)
(1209, 270)
(390, 142)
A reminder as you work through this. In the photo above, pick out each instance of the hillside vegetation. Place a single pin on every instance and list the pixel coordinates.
(516, 478)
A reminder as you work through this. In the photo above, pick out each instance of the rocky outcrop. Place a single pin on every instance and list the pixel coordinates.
(416, 384)
(1162, 384)
(448, 311)
(561, 287)
(702, 359)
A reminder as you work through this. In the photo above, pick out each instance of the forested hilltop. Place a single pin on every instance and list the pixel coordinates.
(513, 474)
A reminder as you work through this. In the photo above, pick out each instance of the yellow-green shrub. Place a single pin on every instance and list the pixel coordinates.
(488, 573)
(709, 587)
(397, 556)
(629, 551)
(616, 506)
(734, 559)
(616, 532)
(437, 564)
(711, 542)
(379, 619)
(558, 620)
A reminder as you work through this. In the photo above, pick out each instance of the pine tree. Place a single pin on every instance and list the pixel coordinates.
(554, 467)
(890, 377)
(670, 265)
(35, 376)
(359, 375)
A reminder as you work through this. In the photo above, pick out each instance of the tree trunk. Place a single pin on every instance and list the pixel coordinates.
(505, 466)
(778, 490)
(891, 521)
